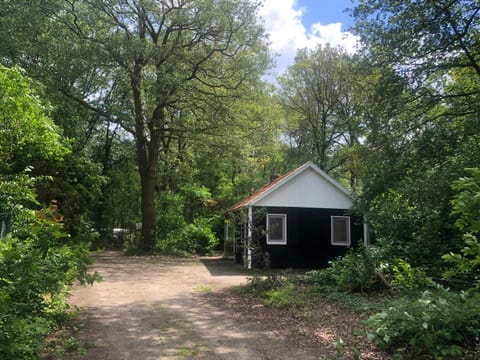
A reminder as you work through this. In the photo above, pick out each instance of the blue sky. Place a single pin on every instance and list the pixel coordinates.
(325, 12)
(296, 24)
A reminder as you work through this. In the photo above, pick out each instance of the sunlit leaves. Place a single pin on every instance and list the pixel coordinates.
(27, 135)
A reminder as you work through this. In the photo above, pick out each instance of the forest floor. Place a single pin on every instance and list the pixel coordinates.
(170, 308)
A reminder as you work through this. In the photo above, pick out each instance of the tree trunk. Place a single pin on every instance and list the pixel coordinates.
(148, 211)
(148, 148)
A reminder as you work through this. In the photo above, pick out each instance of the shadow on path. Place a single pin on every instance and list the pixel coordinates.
(218, 266)
(158, 308)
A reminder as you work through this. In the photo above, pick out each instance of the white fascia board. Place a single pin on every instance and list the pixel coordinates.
(308, 165)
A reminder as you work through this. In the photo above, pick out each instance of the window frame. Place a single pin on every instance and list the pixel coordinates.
(348, 231)
(283, 240)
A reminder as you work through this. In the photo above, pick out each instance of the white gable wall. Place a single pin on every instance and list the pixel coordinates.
(309, 190)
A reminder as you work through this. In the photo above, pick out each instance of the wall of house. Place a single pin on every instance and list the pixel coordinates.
(308, 237)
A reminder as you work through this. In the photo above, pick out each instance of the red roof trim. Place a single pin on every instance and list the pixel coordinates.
(262, 190)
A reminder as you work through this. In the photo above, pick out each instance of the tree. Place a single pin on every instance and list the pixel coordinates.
(36, 262)
(28, 137)
(421, 37)
(218, 167)
(165, 52)
(157, 68)
(425, 42)
(319, 94)
(421, 131)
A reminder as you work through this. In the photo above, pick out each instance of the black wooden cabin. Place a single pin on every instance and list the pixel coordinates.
(299, 220)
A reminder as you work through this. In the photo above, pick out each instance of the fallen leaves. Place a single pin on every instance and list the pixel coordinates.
(320, 323)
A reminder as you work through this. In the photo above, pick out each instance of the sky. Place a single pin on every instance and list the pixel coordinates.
(296, 24)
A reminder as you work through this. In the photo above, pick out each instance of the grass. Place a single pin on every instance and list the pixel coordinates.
(203, 288)
(190, 350)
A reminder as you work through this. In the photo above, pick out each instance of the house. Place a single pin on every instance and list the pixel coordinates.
(299, 220)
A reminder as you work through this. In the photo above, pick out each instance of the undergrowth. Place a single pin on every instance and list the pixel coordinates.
(404, 312)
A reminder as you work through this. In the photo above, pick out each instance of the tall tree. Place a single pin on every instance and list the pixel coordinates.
(154, 67)
(427, 52)
(423, 40)
(318, 92)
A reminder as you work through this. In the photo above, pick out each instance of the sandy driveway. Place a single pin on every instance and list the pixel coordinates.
(159, 308)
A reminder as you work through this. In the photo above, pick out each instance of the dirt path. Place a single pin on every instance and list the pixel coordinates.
(159, 308)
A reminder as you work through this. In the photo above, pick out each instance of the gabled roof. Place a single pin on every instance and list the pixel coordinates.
(260, 196)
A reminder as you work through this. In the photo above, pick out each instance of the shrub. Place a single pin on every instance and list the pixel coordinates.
(436, 325)
(356, 271)
(323, 278)
(35, 271)
(36, 260)
(466, 207)
(197, 238)
(406, 277)
(131, 244)
(200, 237)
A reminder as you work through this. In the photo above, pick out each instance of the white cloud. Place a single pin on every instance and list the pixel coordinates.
(287, 34)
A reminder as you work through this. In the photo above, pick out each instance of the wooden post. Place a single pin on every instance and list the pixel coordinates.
(366, 237)
(225, 238)
(249, 237)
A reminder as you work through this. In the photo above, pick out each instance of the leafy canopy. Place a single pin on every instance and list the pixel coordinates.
(27, 136)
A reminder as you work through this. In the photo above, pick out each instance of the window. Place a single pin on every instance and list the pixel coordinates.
(276, 229)
(341, 230)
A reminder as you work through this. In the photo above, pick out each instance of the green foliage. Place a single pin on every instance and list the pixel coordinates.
(368, 269)
(437, 325)
(467, 264)
(27, 135)
(320, 100)
(410, 213)
(35, 271)
(277, 289)
(200, 236)
(36, 261)
(356, 271)
(171, 217)
(22, 338)
(282, 296)
(421, 128)
(466, 204)
(131, 244)
(390, 32)
(403, 275)
(196, 238)
(408, 278)
(466, 207)
(77, 183)
(185, 223)
(15, 191)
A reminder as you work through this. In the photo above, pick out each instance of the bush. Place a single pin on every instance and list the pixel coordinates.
(200, 237)
(466, 207)
(436, 325)
(407, 278)
(35, 271)
(197, 238)
(356, 271)
(277, 289)
(36, 260)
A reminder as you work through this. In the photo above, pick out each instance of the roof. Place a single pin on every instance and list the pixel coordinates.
(281, 182)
